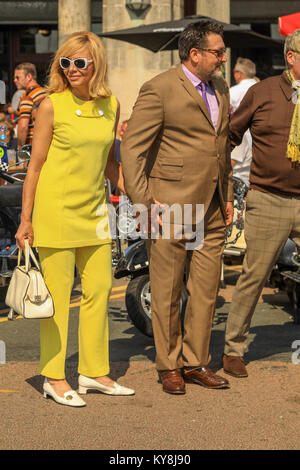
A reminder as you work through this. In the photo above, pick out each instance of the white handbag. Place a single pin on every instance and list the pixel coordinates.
(27, 293)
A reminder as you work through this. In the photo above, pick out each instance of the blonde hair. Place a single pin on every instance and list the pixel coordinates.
(57, 82)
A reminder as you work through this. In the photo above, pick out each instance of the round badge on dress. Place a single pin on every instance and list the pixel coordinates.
(78, 112)
(101, 113)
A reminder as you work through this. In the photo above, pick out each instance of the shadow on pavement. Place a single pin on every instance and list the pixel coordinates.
(270, 337)
(126, 344)
(37, 381)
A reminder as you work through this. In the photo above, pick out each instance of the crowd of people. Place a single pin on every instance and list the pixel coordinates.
(17, 117)
(187, 134)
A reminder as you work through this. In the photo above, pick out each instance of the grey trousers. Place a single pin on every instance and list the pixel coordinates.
(269, 221)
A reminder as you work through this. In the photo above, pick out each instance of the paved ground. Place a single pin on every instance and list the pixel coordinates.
(261, 412)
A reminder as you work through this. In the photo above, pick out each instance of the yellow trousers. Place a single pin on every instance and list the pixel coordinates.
(58, 267)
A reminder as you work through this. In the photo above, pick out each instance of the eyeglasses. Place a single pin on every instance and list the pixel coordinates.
(297, 52)
(217, 52)
(80, 63)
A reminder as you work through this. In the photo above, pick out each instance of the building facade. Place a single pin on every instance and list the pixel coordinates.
(29, 33)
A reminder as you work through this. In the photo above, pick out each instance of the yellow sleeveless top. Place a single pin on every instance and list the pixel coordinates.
(70, 204)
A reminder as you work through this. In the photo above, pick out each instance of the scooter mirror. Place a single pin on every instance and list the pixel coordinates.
(24, 153)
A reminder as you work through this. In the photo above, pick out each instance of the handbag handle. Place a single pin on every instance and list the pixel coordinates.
(28, 253)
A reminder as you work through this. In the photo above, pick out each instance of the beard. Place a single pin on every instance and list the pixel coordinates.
(217, 72)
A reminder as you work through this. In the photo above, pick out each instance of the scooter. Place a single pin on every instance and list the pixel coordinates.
(133, 263)
(286, 276)
(10, 211)
(235, 246)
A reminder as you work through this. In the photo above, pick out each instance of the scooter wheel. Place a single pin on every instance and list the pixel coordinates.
(295, 297)
(138, 304)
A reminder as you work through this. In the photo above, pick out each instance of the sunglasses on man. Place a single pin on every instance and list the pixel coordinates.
(81, 63)
(217, 52)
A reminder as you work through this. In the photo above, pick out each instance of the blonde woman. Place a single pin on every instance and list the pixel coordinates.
(62, 212)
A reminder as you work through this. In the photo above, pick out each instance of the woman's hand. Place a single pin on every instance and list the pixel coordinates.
(25, 230)
(43, 131)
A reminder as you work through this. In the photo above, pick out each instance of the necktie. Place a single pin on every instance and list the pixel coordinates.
(203, 86)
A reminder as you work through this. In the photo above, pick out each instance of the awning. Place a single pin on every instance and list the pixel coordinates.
(287, 24)
(164, 36)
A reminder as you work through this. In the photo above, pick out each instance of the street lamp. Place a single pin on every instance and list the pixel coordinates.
(138, 7)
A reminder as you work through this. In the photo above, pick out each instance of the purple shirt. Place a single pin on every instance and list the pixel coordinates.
(211, 96)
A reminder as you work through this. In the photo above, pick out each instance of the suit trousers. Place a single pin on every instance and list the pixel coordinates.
(269, 221)
(169, 260)
(58, 266)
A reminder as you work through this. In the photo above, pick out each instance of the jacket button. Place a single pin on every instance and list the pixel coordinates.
(78, 112)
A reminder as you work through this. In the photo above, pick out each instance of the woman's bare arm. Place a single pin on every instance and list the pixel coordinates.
(43, 132)
(113, 170)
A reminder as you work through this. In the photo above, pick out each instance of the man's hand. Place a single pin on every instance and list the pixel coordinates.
(150, 220)
(229, 213)
(154, 217)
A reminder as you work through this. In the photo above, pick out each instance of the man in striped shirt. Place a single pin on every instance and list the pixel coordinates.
(25, 77)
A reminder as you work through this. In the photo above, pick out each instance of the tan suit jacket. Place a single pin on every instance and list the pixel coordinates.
(171, 151)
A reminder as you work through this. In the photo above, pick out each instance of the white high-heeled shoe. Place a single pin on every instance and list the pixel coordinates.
(86, 383)
(70, 398)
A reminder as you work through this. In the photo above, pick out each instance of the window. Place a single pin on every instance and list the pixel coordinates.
(189, 7)
(35, 41)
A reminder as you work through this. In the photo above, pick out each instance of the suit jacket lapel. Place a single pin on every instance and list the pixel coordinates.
(194, 93)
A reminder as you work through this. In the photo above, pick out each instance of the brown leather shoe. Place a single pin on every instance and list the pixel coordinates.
(234, 365)
(205, 377)
(172, 381)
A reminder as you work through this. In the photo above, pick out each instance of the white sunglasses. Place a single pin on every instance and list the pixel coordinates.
(80, 63)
